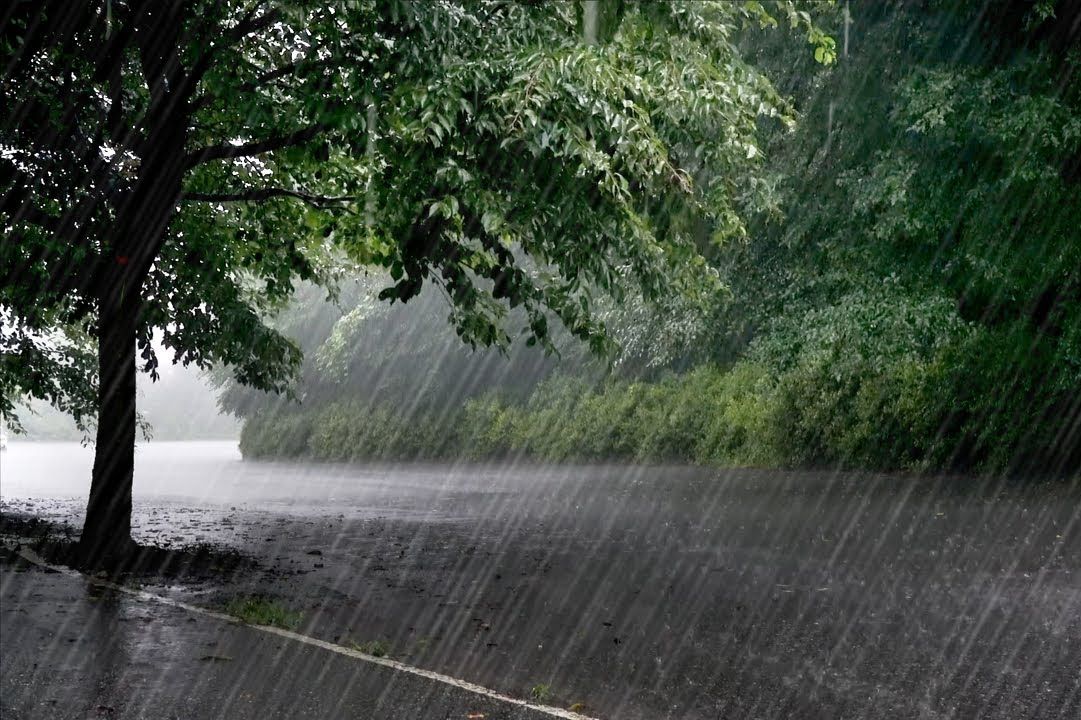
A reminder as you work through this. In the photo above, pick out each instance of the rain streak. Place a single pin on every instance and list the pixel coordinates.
(584, 359)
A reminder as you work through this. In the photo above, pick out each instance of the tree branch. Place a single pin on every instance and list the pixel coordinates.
(262, 80)
(225, 152)
(250, 24)
(259, 194)
(247, 25)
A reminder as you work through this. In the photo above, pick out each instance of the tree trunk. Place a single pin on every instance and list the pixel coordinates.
(140, 230)
(142, 219)
(106, 539)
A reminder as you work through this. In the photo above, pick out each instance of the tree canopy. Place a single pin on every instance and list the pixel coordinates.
(178, 166)
(212, 153)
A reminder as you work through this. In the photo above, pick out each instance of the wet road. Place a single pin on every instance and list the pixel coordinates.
(73, 649)
(641, 592)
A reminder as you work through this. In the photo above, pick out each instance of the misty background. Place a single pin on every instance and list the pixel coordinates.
(181, 405)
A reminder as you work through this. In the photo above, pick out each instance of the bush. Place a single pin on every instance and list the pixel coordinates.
(706, 415)
(1009, 402)
(881, 379)
(277, 434)
(740, 416)
(855, 381)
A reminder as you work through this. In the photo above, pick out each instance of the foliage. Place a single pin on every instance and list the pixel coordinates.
(944, 180)
(183, 166)
(869, 260)
(405, 356)
(907, 295)
(852, 378)
(706, 415)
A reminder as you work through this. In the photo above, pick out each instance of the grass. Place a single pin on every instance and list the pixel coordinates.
(375, 648)
(263, 611)
(541, 692)
(421, 645)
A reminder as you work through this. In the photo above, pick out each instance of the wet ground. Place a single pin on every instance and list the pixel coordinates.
(73, 649)
(638, 592)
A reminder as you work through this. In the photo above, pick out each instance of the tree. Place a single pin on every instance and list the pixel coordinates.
(176, 166)
(943, 153)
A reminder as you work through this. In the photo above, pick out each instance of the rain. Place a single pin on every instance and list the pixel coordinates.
(590, 359)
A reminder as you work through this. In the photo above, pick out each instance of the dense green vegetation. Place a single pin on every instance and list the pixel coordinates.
(904, 290)
(175, 169)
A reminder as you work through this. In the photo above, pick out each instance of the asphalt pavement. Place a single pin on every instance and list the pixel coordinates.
(631, 593)
(73, 648)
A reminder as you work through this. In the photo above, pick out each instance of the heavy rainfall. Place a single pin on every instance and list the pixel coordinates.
(583, 359)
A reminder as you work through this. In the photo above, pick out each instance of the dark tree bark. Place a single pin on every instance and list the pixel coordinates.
(106, 538)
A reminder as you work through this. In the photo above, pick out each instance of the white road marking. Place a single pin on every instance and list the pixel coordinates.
(32, 557)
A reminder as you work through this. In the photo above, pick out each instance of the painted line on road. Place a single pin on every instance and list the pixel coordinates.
(32, 557)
